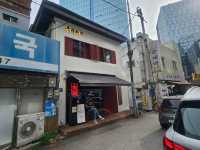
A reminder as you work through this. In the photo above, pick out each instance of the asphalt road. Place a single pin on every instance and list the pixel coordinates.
(130, 134)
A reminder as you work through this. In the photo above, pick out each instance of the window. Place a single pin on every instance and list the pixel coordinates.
(170, 103)
(174, 65)
(89, 51)
(78, 48)
(163, 62)
(10, 18)
(106, 55)
(187, 120)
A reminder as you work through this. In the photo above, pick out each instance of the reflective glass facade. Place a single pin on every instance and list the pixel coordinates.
(101, 12)
(180, 22)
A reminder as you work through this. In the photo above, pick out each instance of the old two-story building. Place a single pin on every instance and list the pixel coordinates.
(142, 69)
(29, 66)
(89, 63)
(168, 70)
(165, 69)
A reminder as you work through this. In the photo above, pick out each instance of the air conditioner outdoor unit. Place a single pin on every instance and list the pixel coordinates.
(30, 128)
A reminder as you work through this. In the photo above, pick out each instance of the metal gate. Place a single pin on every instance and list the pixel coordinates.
(7, 114)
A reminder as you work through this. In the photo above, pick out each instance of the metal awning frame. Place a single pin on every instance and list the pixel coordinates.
(100, 83)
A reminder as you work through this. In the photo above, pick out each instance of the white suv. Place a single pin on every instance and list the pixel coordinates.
(184, 134)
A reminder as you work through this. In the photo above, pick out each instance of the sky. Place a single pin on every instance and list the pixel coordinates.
(150, 9)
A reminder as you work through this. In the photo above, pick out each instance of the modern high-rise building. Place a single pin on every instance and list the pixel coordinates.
(109, 13)
(180, 23)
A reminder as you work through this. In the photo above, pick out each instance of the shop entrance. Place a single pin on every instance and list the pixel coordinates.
(83, 88)
(105, 98)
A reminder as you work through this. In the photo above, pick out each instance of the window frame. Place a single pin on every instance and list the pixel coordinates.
(9, 18)
(104, 52)
(85, 50)
(174, 65)
(163, 62)
(78, 49)
(178, 122)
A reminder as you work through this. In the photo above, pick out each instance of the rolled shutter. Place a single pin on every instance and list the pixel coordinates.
(92, 52)
(68, 46)
(113, 61)
(85, 54)
(87, 51)
(98, 53)
(95, 52)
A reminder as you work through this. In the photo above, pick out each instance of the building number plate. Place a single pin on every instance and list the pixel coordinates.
(4, 60)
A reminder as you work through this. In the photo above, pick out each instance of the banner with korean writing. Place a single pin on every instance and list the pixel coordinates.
(23, 50)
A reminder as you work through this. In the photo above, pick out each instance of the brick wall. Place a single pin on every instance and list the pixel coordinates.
(21, 6)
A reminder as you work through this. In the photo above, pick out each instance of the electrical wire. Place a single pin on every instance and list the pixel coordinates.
(134, 14)
(128, 12)
(36, 2)
(127, 25)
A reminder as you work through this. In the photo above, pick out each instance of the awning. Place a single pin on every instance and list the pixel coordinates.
(87, 79)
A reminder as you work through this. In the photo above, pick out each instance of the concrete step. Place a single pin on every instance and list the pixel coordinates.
(75, 130)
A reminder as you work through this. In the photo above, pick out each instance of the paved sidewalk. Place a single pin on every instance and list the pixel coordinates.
(68, 131)
(129, 134)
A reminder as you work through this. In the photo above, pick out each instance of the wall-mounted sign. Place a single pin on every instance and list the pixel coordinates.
(165, 76)
(50, 108)
(73, 30)
(195, 76)
(74, 89)
(80, 113)
(22, 50)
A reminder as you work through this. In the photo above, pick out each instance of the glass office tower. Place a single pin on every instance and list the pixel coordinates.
(180, 23)
(102, 12)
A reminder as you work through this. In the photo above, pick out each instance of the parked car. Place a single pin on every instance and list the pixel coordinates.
(167, 110)
(184, 134)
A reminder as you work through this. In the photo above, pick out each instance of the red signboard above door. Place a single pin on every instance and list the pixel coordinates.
(74, 89)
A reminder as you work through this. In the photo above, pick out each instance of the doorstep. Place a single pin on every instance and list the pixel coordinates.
(75, 130)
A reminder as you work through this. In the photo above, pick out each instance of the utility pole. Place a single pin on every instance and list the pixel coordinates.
(148, 65)
(130, 56)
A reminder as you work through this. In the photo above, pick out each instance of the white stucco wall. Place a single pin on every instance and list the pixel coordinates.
(171, 53)
(138, 75)
(69, 63)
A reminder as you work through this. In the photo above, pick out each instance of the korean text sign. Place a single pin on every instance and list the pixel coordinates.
(24, 50)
